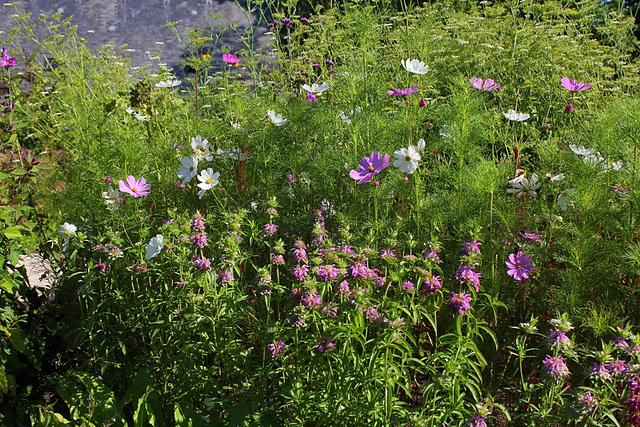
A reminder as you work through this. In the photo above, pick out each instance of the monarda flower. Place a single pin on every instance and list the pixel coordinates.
(555, 367)
(459, 303)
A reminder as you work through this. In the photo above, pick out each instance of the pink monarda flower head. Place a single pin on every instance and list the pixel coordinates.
(370, 166)
(403, 92)
(519, 266)
(230, 59)
(574, 85)
(555, 367)
(459, 303)
(487, 85)
(136, 188)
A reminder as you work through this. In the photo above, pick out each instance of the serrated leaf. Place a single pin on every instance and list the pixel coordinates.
(12, 232)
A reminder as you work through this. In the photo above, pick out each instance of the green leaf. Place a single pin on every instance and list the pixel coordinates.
(7, 284)
(16, 338)
(12, 232)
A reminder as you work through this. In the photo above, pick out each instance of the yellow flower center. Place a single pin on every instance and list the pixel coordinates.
(135, 190)
(371, 169)
(518, 265)
(408, 158)
(208, 181)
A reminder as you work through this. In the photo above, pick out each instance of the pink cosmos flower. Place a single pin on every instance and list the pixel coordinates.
(574, 85)
(369, 166)
(487, 85)
(136, 188)
(519, 266)
(312, 98)
(230, 59)
(403, 92)
(6, 60)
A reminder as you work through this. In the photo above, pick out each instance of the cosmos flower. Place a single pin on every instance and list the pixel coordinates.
(208, 180)
(573, 85)
(136, 188)
(518, 117)
(189, 169)
(564, 199)
(6, 60)
(403, 92)
(487, 85)
(519, 266)
(277, 119)
(202, 148)
(230, 59)
(521, 185)
(369, 166)
(406, 159)
(581, 151)
(168, 83)
(415, 66)
(154, 247)
(316, 88)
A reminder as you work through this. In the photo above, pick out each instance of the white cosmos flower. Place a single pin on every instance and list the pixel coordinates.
(406, 159)
(189, 168)
(316, 88)
(235, 125)
(415, 66)
(420, 147)
(208, 180)
(581, 151)
(113, 197)
(277, 119)
(593, 160)
(201, 148)
(552, 178)
(518, 117)
(616, 166)
(154, 247)
(564, 199)
(168, 83)
(521, 185)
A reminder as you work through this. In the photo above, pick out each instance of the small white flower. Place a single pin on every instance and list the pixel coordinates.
(68, 230)
(581, 151)
(154, 247)
(518, 117)
(235, 125)
(113, 198)
(140, 117)
(346, 117)
(564, 199)
(593, 160)
(552, 178)
(406, 159)
(231, 154)
(616, 166)
(316, 88)
(208, 180)
(189, 168)
(420, 147)
(415, 66)
(277, 119)
(201, 148)
(130, 110)
(521, 185)
(168, 83)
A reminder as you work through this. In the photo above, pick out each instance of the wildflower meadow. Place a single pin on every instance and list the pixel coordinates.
(395, 214)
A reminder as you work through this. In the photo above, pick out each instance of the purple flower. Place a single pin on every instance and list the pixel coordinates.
(300, 272)
(270, 229)
(467, 274)
(136, 188)
(230, 59)
(225, 276)
(107, 180)
(487, 85)
(299, 254)
(600, 372)
(558, 340)
(569, 108)
(6, 60)
(329, 62)
(432, 284)
(555, 367)
(372, 314)
(369, 166)
(403, 92)
(422, 102)
(531, 236)
(312, 98)
(100, 266)
(468, 247)
(199, 239)
(304, 20)
(519, 266)
(328, 272)
(276, 348)
(324, 344)
(459, 303)
(311, 299)
(476, 421)
(277, 259)
(387, 254)
(407, 285)
(573, 85)
(201, 263)
(633, 402)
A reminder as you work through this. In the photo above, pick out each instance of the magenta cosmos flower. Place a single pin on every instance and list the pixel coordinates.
(574, 85)
(519, 266)
(6, 60)
(487, 85)
(137, 188)
(404, 92)
(369, 166)
(230, 58)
